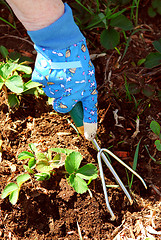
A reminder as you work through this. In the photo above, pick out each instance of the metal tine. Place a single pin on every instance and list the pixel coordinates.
(102, 155)
(125, 165)
(119, 160)
(115, 175)
(104, 186)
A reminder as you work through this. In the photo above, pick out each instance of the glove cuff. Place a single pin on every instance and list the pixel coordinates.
(61, 34)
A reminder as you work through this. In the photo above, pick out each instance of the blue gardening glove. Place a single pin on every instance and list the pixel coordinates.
(64, 69)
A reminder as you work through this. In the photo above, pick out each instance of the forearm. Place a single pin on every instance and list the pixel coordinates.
(37, 14)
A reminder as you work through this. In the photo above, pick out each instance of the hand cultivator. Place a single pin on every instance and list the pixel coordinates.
(77, 116)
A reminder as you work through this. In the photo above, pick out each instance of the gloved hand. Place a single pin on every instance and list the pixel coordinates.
(64, 69)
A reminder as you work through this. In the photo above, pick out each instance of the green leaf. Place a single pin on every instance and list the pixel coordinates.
(25, 69)
(3, 71)
(22, 178)
(2, 19)
(4, 51)
(57, 157)
(153, 60)
(13, 198)
(155, 127)
(15, 84)
(25, 60)
(110, 38)
(25, 155)
(73, 162)
(15, 56)
(10, 68)
(157, 45)
(87, 172)
(43, 166)
(79, 185)
(31, 162)
(9, 189)
(1, 83)
(33, 147)
(97, 21)
(42, 176)
(29, 170)
(30, 84)
(141, 61)
(150, 154)
(62, 150)
(41, 157)
(115, 13)
(151, 12)
(122, 22)
(13, 100)
(135, 162)
(158, 145)
(57, 164)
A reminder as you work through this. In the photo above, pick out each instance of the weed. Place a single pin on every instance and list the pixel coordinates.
(107, 18)
(130, 182)
(156, 128)
(12, 72)
(135, 11)
(151, 157)
(42, 165)
(142, 87)
(154, 58)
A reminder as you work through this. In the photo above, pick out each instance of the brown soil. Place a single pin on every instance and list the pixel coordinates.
(52, 209)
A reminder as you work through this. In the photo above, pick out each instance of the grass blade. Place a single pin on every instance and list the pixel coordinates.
(135, 162)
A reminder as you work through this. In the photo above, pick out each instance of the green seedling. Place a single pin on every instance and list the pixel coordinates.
(142, 87)
(42, 166)
(156, 128)
(12, 189)
(77, 175)
(12, 72)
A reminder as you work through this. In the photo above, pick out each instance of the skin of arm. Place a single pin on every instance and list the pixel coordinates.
(37, 14)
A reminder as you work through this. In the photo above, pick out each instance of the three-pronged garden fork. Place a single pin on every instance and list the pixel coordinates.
(77, 116)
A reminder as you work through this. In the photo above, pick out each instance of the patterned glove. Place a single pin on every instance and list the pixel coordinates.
(64, 69)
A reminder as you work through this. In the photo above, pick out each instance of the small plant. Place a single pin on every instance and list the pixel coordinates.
(142, 87)
(156, 128)
(76, 175)
(154, 58)
(42, 165)
(110, 20)
(12, 189)
(130, 182)
(12, 73)
(155, 8)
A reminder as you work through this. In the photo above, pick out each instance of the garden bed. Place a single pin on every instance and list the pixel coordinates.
(52, 209)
